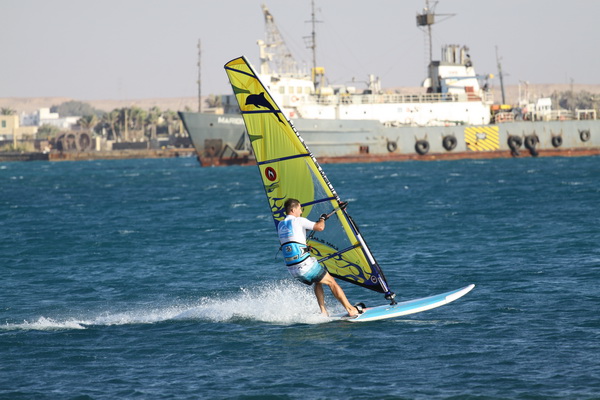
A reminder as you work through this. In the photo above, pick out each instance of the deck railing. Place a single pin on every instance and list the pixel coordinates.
(400, 98)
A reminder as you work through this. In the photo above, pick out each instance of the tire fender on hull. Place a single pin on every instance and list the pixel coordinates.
(584, 135)
(392, 146)
(557, 141)
(514, 143)
(449, 142)
(422, 147)
(531, 142)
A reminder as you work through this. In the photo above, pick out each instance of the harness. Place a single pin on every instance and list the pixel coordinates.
(294, 252)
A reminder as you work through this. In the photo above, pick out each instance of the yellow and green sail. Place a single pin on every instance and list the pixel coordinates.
(289, 170)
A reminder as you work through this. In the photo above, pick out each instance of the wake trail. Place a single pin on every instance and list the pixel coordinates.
(282, 302)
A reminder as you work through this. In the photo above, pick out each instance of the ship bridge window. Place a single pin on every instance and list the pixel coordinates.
(307, 90)
(282, 90)
(291, 90)
(299, 90)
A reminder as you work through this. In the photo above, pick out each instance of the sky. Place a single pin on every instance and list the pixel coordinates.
(135, 49)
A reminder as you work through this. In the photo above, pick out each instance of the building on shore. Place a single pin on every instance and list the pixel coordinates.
(43, 116)
(11, 129)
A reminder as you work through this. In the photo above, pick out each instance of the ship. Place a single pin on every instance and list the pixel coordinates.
(453, 117)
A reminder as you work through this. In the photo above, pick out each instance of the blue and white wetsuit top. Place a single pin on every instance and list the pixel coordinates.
(292, 236)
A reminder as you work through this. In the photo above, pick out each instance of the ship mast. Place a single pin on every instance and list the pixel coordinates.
(425, 20)
(199, 77)
(500, 74)
(318, 73)
(313, 42)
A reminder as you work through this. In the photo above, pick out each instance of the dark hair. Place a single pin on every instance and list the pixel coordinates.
(289, 204)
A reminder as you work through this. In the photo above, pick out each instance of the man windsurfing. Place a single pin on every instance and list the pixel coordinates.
(301, 265)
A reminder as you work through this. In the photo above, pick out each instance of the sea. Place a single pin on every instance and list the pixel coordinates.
(160, 279)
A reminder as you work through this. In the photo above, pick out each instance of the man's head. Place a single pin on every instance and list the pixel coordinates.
(290, 205)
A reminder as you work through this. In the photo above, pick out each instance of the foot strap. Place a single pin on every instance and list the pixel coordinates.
(360, 307)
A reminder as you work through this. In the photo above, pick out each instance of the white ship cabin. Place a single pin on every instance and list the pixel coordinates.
(542, 110)
(291, 90)
(454, 74)
(453, 96)
(543, 107)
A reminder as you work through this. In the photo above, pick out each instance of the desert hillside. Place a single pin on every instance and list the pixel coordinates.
(29, 105)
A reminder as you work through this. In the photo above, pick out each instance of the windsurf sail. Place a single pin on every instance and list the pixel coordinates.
(289, 170)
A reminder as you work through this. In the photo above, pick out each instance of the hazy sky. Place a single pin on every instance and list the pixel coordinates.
(130, 49)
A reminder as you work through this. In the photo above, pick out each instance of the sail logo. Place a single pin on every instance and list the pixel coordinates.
(259, 100)
(482, 138)
(270, 174)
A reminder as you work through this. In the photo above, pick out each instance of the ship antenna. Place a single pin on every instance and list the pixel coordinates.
(312, 44)
(425, 20)
(199, 76)
(501, 75)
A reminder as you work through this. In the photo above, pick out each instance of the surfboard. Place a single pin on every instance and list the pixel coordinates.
(406, 307)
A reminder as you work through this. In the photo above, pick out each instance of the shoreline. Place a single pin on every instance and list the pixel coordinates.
(96, 155)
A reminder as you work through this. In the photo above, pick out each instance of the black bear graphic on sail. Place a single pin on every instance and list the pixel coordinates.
(259, 100)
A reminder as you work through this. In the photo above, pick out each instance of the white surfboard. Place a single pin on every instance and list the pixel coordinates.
(405, 307)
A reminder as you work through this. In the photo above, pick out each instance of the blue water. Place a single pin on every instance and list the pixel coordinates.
(158, 279)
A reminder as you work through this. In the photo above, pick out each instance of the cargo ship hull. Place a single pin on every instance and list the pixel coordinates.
(221, 140)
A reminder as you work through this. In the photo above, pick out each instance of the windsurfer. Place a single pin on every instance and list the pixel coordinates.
(301, 265)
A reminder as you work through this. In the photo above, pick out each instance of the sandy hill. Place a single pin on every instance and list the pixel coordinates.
(31, 104)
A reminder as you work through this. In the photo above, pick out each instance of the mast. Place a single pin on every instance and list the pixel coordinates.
(425, 20)
(318, 73)
(313, 42)
(500, 75)
(199, 77)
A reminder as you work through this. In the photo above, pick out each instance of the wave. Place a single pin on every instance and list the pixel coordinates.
(281, 302)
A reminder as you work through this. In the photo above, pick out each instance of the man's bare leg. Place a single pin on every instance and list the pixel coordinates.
(320, 298)
(338, 293)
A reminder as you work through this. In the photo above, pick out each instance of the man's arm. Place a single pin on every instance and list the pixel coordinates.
(320, 224)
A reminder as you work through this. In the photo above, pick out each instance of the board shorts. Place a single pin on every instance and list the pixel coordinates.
(308, 271)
